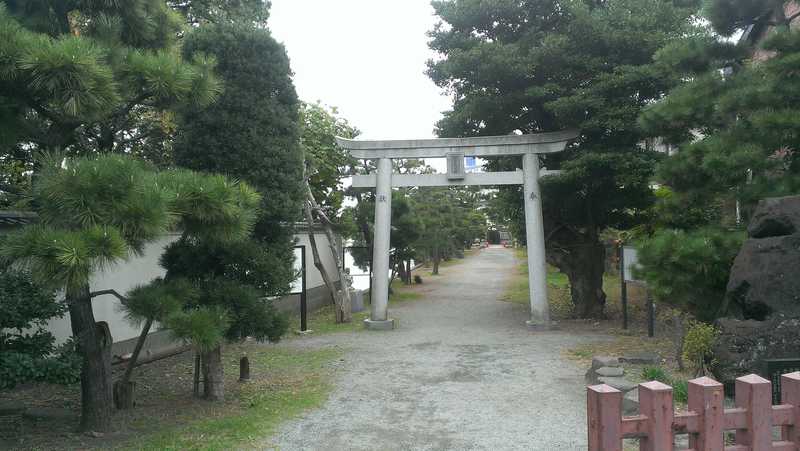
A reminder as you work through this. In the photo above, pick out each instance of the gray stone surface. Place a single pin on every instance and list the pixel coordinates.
(389, 324)
(620, 383)
(777, 216)
(630, 403)
(765, 278)
(743, 346)
(610, 371)
(462, 373)
(604, 361)
(643, 358)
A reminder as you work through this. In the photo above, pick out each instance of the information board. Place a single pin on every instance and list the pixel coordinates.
(630, 258)
(297, 284)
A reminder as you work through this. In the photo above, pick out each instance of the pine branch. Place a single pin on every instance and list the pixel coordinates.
(112, 292)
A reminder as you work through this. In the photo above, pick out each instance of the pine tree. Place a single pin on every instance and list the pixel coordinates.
(538, 66)
(96, 211)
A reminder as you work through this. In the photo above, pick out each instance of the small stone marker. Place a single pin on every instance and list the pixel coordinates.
(610, 371)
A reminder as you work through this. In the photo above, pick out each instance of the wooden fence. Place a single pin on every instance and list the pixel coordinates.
(753, 418)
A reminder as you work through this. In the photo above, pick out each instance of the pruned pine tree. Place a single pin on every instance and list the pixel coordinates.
(145, 305)
(94, 212)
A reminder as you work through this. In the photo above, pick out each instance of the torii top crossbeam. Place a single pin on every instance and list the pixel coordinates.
(482, 146)
(455, 149)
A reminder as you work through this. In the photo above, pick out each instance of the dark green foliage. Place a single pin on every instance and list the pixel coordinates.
(251, 132)
(204, 327)
(736, 132)
(680, 388)
(536, 66)
(728, 16)
(158, 299)
(27, 350)
(222, 11)
(93, 76)
(689, 270)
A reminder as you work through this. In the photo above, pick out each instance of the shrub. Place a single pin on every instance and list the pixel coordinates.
(680, 388)
(689, 270)
(655, 373)
(698, 346)
(27, 351)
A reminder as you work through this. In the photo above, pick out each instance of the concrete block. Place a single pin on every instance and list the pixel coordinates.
(389, 324)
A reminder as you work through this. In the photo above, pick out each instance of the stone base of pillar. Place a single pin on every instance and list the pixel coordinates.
(539, 326)
(389, 324)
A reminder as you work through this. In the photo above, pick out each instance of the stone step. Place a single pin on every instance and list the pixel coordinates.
(610, 371)
(620, 383)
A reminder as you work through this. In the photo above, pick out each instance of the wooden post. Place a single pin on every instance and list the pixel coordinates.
(790, 394)
(754, 393)
(651, 314)
(706, 398)
(655, 402)
(623, 286)
(604, 415)
(196, 388)
(244, 369)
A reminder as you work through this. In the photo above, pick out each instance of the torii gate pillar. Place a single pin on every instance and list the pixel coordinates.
(528, 146)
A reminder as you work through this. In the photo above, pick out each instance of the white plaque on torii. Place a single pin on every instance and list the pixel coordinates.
(528, 146)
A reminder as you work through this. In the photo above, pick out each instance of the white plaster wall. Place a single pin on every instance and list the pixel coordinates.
(141, 270)
(314, 276)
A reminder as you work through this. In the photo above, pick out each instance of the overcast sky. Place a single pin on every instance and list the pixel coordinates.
(366, 57)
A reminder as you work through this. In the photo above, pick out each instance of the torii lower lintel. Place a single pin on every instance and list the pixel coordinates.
(526, 145)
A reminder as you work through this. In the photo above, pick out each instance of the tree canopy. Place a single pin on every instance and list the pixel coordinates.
(533, 66)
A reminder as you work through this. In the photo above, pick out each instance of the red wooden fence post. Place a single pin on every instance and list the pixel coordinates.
(754, 393)
(604, 415)
(655, 401)
(790, 394)
(706, 400)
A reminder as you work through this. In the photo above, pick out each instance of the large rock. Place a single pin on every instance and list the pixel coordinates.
(744, 345)
(776, 216)
(765, 277)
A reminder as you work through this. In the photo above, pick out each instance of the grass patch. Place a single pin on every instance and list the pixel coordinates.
(322, 320)
(559, 295)
(291, 382)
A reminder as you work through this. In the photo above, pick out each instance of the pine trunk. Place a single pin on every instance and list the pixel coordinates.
(213, 375)
(436, 259)
(94, 345)
(124, 388)
(584, 267)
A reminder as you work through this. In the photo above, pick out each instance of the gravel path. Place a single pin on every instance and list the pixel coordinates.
(461, 373)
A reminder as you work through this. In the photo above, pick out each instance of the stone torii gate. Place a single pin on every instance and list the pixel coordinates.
(455, 149)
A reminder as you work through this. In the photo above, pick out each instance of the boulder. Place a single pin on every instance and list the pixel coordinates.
(765, 278)
(744, 345)
(776, 216)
